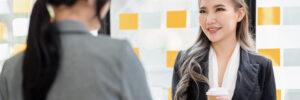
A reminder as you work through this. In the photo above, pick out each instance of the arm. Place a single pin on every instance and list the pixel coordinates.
(175, 78)
(134, 83)
(269, 90)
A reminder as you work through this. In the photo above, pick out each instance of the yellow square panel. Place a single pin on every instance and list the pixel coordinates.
(278, 94)
(269, 16)
(171, 57)
(176, 19)
(128, 21)
(137, 51)
(3, 31)
(21, 6)
(170, 93)
(18, 48)
(273, 54)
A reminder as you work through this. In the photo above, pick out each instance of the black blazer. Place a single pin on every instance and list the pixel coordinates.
(255, 79)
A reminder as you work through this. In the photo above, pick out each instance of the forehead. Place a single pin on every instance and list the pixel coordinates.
(212, 3)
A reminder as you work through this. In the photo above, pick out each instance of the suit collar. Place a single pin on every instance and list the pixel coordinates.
(204, 65)
(247, 77)
(70, 26)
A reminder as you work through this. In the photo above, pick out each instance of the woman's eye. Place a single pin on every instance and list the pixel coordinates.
(202, 11)
(220, 9)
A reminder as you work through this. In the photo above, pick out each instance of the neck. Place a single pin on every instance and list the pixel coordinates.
(67, 13)
(225, 48)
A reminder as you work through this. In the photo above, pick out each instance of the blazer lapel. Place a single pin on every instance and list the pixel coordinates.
(204, 65)
(246, 79)
(204, 86)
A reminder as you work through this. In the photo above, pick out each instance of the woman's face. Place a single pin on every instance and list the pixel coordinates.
(218, 19)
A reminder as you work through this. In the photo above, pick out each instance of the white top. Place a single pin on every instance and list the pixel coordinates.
(217, 92)
(94, 33)
(230, 75)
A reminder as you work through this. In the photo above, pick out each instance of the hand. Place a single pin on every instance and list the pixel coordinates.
(222, 98)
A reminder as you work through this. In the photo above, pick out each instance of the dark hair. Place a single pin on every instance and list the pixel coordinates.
(42, 56)
(105, 28)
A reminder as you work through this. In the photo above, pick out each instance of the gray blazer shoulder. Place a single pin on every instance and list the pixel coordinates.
(91, 68)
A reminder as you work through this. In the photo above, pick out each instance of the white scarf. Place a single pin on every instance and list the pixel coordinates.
(230, 75)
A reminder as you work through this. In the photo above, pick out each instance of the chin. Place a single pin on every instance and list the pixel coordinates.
(213, 40)
(95, 28)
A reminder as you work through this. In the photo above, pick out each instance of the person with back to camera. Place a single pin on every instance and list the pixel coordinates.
(64, 61)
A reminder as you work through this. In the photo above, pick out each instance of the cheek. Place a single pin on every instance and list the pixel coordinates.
(228, 15)
(202, 21)
(228, 21)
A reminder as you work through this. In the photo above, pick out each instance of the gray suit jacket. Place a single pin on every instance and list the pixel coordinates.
(92, 68)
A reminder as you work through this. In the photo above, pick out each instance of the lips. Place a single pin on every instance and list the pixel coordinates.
(213, 30)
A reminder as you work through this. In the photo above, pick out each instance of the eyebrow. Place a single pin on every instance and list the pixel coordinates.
(216, 6)
(219, 5)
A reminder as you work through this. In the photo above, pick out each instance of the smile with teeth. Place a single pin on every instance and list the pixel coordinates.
(214, 30)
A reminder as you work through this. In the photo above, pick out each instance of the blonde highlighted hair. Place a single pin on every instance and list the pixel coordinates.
(190, 59)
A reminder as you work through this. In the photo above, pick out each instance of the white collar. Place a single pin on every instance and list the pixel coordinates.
(94, 33)
(230, 75)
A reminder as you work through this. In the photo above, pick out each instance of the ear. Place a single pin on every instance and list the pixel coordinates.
(105, 9)
(241, 14)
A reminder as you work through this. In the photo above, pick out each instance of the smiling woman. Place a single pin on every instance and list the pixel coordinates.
(223, 57)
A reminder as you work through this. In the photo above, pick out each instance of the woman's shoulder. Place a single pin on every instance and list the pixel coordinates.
(13, 62)
(11, 74)
(264, 64)
(111, 42)
(177, 60)
(91, 44)
(117, 45)
(256, 58)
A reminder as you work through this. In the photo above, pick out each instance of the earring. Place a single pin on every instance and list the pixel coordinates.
(51, 13)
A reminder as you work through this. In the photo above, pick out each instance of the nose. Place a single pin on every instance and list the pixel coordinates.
(211, 19)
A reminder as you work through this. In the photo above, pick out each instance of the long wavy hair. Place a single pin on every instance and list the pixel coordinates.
(190, 59)
(42, 57)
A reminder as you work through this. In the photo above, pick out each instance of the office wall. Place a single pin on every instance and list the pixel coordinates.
(158, 29)
(278, 28)
(14, 21)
